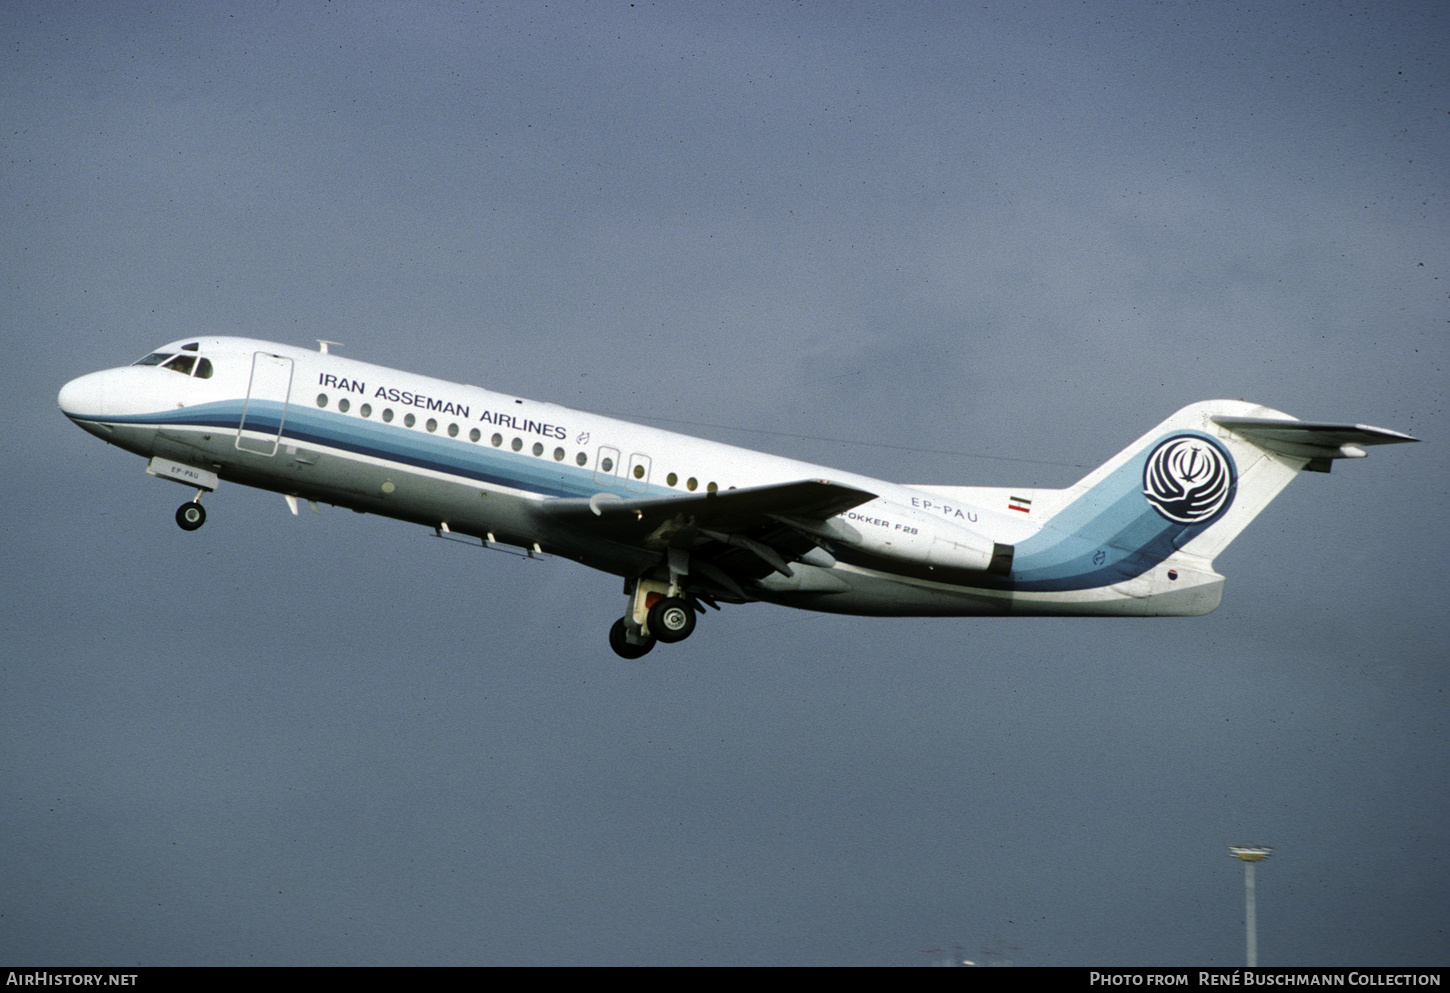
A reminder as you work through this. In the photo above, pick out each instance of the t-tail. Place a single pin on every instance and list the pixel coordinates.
(1139, 535)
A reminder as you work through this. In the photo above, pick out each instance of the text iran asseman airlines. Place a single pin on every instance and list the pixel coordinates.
(407, 398)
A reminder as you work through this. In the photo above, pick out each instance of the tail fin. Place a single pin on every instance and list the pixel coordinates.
(1139, 535)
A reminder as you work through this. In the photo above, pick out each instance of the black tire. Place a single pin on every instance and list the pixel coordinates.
(672, 620)
(623, 648)
(190, 516)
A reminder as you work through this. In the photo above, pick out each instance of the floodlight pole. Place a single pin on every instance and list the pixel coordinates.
(1250, 855)
(1251, 923)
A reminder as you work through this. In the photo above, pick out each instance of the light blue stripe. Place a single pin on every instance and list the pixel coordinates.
(1109, 534)
(478, 461)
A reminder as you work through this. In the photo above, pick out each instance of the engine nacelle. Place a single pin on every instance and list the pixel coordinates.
(910, 535)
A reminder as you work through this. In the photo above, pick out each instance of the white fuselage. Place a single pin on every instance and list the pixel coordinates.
(470, 461)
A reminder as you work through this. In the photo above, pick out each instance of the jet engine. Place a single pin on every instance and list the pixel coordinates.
(909, 535)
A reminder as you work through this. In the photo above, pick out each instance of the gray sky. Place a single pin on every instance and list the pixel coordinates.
(914, 240)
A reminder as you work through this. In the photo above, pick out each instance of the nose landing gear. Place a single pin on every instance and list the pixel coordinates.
(192, 515)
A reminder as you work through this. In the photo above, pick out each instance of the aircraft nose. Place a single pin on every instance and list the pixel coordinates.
(84, 396)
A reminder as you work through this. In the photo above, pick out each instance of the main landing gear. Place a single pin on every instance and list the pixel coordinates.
(619, 636)
(191, 515)
(657, 612)
(672, 620)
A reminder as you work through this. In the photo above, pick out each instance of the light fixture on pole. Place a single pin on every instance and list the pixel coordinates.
(1250, 854)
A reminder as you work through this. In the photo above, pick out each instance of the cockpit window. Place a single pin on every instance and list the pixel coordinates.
(189, 347)
(187, 365)
(182, 364)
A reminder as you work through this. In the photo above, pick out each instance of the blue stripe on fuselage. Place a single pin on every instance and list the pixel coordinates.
(1109, 534)
(392, 443)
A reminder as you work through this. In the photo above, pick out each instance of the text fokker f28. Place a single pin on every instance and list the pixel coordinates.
(688, 522)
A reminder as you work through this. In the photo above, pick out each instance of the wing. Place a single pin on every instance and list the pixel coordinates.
(724, 538)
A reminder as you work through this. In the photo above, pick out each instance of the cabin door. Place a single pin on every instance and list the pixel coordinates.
(265, 410)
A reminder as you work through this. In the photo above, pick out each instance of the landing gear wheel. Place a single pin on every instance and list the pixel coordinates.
(671, 620)
(190, 516)
(622, 646)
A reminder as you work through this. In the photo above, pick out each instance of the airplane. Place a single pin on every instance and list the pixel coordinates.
(690, 523)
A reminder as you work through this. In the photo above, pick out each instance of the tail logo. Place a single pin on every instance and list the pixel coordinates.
(1189, 479)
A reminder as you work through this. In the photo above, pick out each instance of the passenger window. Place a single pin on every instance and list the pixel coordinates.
(638, 478)
(672, 479)
(366, 410)
(343, 405)
(538, 448)
(691, 483)
(474, 435)
(518, 443)
(203, 369)
(181, 364)
(409, 420)
(453, 430)
(581, 458)
(432, 425)
(712, 488)
(322, 399)
(387, 415)
(558, 455)
(496, 440)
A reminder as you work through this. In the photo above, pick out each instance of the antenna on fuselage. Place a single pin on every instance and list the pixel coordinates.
(322, 344)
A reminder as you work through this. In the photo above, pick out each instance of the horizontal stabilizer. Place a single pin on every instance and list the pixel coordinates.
(1313, 440)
